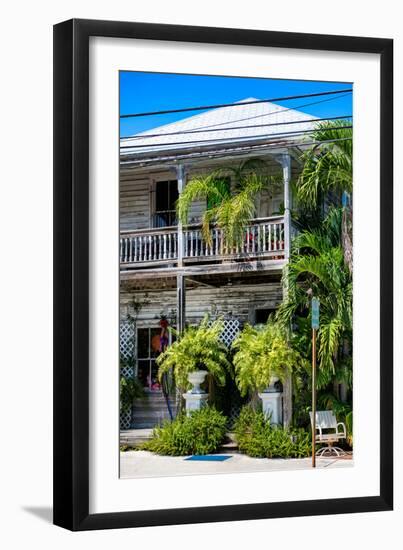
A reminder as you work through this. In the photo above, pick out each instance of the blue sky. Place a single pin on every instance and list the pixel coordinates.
(141, 92)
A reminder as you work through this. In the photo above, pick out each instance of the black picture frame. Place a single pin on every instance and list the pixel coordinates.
(71, 274)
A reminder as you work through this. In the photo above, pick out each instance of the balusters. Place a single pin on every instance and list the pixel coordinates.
(254, 238)
(191, 243)
(136, 249)
(126, 250)
(259, 243)
(265, 237)
(275, 235)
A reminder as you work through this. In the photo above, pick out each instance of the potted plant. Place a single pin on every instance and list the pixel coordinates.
(263, 356)
(198, 352)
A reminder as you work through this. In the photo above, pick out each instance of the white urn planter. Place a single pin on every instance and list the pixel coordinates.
(272, 402)
(195, 398)
(196, 378)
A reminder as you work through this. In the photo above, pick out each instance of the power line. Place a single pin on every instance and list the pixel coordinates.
(219, 106)
(295, 107)
(283, 134)
(201, 130)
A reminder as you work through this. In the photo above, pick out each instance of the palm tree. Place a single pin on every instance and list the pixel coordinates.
(328, 164)
(328, 167)
(230, 211)
(317, 262)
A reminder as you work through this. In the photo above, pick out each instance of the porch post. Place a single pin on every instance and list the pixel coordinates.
(180, 174)
(181, 302)
(286, 166)
(180, 279)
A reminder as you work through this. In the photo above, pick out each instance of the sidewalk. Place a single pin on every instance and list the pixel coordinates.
(140, 464)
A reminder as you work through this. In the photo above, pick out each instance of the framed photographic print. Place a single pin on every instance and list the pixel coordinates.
(223, 323)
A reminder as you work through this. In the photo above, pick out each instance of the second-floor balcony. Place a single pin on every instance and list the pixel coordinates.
(264, 238)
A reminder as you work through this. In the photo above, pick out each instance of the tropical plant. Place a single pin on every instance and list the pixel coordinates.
(328, 167)
(317, 263)
(263, 352)
(256, 437)
(130, 389)
(200, 433)
(230, 211)
(198, 348)
(327, 164)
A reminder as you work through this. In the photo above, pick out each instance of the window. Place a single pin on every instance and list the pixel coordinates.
(148, 349)
(166, 195)
(148, 341)
(261, 315)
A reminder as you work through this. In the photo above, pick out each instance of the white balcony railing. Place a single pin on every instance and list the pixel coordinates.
(262, 238)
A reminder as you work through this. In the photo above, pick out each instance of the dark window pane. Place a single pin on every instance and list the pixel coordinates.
(161, 196)
(173, 194)
(155, 334)
(143, 373)
(143, 350)
(155, 385)
(262, 315)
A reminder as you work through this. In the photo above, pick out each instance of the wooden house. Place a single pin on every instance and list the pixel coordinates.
(167, 268)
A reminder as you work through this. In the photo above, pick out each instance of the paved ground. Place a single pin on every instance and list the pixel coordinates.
(145, 464)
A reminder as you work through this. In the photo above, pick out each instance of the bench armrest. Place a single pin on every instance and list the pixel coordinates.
(344, 432)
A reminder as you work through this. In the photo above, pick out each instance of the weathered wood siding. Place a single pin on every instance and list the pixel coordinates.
(134, 201)
(240, 301)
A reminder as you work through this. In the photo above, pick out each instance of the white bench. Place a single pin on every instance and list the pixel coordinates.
(329, 431)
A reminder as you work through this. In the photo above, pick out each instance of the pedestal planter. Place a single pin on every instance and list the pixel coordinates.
(196, 378)
(195, 401)
(272, 403)
(195, 398)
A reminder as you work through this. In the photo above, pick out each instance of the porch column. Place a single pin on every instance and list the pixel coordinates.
(286, 165)
(181, 302)
(180, 175)
(285, 161)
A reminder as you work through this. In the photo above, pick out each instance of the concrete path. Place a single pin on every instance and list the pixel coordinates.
(138, 464)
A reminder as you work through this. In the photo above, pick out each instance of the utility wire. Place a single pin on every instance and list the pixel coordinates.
(295, 107)
(198, 131)
(210, 142)
(240, 104)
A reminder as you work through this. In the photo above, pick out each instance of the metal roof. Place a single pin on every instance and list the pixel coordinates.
(209, 128)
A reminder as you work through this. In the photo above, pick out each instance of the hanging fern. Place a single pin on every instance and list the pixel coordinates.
(198, 348)
(263, 352)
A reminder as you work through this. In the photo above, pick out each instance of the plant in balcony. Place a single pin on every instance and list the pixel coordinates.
(230, 211)
(197, 352)
(263, 355)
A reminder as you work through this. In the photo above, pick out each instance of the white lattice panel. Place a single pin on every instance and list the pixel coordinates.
(126, 345)
(125, 420)
(126, 340)
(230, 331)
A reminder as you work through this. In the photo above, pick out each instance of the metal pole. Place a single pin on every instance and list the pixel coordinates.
(313, 396)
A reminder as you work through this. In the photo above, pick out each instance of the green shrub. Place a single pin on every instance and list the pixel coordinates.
(199, 433)
(130, 389)
(257, 438)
